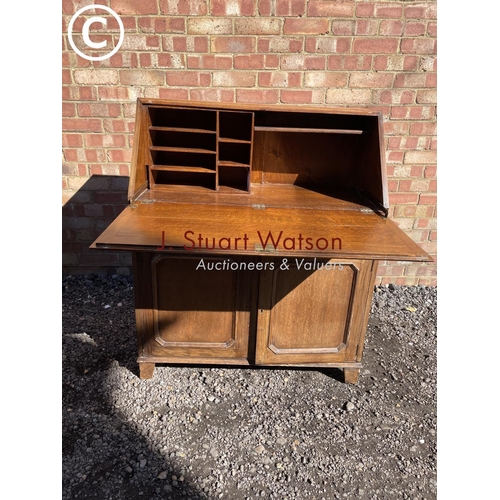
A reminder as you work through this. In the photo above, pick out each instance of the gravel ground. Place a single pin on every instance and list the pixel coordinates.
(209, 432)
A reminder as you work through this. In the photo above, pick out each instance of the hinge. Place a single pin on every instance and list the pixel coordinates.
(269, 248)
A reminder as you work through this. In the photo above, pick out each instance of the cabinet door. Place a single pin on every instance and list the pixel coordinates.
(195, 314)
(315, 314)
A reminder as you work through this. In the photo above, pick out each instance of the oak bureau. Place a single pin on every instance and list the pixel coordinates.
(255, 233)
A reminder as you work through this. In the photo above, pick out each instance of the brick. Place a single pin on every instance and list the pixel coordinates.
(257, 96)
(173, 94)
(431, 80)
(365, 9)
(427, 63)
(394, 156)
(297, 96)
(420, 157)
(370, 80)
(184, 7)
(348, 96)
(380, 63)
(418, 46)
(432, 29)
(423, 128)
(401, 170)
(209, 61)
(394, 143)
(328, 45)
(344, 27)
(253, 26)
(232, 7)
(403, 198)
(425, 10)
(233, 44)
(99, 109)
(387, 10)
(72, 155)
(142, 77)
(279, 79)
(427, 96)
(66, 60)
(266, 7)
(393, 96)
(300, 62)
(325, 79)
(415, 29)
(68, 109)
(256, 61)
(376, 45)
(410, 80)
(119, 155)
(212, 95)
(427, 282)
(72, 140)
(233, 79)
(430, 171)
(419, 185)
(330, 9)
(82, 124)
(95, 76)
(290, 7)
(210, 26)
(145, 60)
(188, 79)
(306, 26)
(134, 8)
(100, 169)
(280, 44)
(391, 28)
(366, 27)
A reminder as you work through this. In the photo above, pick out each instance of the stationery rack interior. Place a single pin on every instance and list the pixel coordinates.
(197, 147)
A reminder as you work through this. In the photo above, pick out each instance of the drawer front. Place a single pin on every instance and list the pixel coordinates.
(200, 309)
(314, 312)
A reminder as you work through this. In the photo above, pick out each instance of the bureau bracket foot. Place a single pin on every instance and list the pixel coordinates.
(146, 370)
(351, 375)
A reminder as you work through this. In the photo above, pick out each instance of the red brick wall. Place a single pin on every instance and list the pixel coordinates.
(376, 54)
